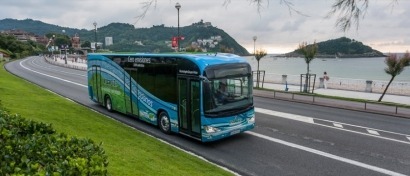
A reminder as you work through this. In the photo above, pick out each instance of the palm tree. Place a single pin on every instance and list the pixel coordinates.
(394, 67)
(309, 53)
(259, 54)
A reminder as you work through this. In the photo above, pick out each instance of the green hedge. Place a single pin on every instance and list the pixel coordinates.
(32, 148)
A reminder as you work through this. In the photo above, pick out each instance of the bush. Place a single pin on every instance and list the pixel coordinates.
(32, 148)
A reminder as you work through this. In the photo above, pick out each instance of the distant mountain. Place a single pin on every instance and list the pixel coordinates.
(36, 27)
(128, 38)
(343, 48)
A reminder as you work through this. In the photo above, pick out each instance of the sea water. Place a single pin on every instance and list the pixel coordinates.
(351, 68)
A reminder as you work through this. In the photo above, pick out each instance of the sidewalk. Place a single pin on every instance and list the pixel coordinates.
(80, 65)
(331, 92)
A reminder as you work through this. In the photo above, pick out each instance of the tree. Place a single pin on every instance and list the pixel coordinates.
(309, 53)
(86, 44)
(60, 39)
(259, 54)
(394, 67)
(19, 49)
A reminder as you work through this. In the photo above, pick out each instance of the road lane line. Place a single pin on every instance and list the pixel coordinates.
(50, 75)
(50, 68)
(338, 125)
(373, 132)
(311, 120)
(285, 115)
(328, 155)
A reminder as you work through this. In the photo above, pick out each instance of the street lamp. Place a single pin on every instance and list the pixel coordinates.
(178, 6)
(65, 49)
(95, 34)
(52, 48)
(254, 40)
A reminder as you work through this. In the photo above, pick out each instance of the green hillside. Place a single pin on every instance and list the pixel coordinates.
(343, 48)
(17, 49)
(128, 38)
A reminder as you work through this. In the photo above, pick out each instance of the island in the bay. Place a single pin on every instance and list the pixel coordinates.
(342, 47)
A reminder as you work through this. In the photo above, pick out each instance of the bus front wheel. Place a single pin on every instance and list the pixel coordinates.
(164, 123)
(108, 103)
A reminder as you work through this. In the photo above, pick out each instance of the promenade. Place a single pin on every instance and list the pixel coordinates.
(371, 97)
(345, 93)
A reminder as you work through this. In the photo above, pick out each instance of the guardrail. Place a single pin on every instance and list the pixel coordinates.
(368, 106)
(361, 85)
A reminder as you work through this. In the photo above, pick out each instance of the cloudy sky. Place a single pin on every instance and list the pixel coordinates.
(385, 26)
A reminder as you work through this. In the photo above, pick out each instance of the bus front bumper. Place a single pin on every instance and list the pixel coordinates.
(213, 136)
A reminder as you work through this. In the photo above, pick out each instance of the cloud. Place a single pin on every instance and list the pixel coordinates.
(291, 26)
(276, 28)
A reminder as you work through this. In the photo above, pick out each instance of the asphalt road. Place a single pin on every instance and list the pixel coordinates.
(289, 138)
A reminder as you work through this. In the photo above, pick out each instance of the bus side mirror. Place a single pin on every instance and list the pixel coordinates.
(203, 78)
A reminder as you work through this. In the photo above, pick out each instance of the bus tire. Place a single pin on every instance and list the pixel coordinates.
(164, 123)
(108, 103)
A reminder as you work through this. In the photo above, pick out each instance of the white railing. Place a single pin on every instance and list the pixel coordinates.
(376, 86)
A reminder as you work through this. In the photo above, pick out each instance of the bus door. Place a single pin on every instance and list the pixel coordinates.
(131, 102)
(96, 82)
(189, 106)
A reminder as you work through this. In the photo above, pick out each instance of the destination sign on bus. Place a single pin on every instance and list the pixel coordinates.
(139, 59)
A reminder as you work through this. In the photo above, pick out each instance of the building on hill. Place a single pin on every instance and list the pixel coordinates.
(41, 39)
(24, 36)
(4, 54)
(201, 23)
(20, 34)
(108, 41)
(75, 42)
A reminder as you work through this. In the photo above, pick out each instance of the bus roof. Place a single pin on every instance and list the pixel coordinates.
(202, 60)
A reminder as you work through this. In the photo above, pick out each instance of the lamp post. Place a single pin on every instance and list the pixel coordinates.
(254, 53)
(254, 40)
(65, 49)
(178, 6)
(95, 34)
(52, 48)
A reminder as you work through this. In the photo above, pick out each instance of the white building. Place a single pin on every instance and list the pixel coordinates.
(108, 41)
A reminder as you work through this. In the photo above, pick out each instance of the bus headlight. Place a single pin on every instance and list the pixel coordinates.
(252, 119)
(210, 129)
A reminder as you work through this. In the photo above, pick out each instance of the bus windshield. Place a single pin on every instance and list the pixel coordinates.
(227, 96)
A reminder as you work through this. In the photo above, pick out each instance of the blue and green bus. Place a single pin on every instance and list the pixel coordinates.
(204, 96)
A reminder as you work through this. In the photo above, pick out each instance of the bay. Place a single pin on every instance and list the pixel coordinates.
(352, 68)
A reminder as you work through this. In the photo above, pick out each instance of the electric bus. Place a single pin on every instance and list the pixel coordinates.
(203, 96)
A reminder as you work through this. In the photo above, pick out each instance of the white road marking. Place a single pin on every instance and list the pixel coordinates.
(328, 155)
(311, 121)
(338, 125)
(50, 68)
(51, 76)
(285, 115)
(408, 137)
(373, 132)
